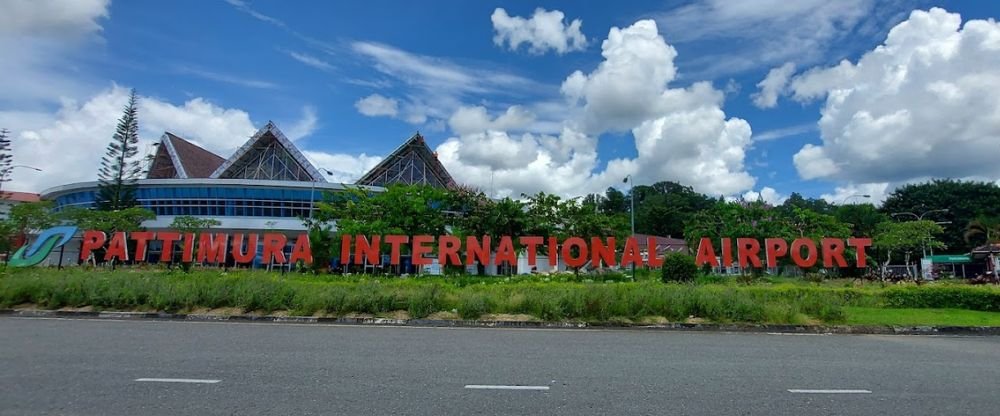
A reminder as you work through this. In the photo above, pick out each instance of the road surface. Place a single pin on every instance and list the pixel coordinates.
(104, 367)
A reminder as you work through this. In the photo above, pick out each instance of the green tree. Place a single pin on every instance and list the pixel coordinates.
(983, 230)
(614, 202)
(964, 200)
(796, 200)
(400, 209)
(26, 218)
(119, 167)
(864, 219)
(32, 216)
(905, 238)
(544, 215)
(191, 224)
(128, 219)
(194, 225)
(678, 267)
(664, 208)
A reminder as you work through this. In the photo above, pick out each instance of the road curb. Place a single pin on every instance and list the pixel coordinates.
(439, 323)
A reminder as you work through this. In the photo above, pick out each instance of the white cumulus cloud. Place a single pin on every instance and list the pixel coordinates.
(766, 194)
(681, 134)
(377, 105)
(773, 85)
(922, 104)
(543, 31)
(468, 120)
(345, 168)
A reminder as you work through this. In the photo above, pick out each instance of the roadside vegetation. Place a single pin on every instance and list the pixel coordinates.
(565, 297)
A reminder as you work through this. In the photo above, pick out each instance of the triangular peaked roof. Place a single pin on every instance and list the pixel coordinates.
(411, 163)
(268, 155)
(179, 158)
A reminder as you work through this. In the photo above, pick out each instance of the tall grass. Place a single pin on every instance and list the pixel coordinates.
(470, 297)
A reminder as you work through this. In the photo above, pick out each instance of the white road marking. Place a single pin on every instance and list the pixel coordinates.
(178, 380)
(830, 391)
(489, 387)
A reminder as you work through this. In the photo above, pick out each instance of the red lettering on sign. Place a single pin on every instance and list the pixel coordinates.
(810, 259)
(581, 249)
(860, 244)
(212, 248)
(653, 259)
(168, 238)
(727, 253)
(448, 250)
(420, 249)
(92, 240)
(117, 248)
(363, 251)
(141, 239)
(302, 250)
(395, 242)
(345, 249)
(505, 251)
(774, 248)
(187, 250)
(749, 252)
(531, 243)
(630, 254)
(244, 256)
(833, 252)
(476, 251)
(706, 253)
(274, 246)
(602, 253)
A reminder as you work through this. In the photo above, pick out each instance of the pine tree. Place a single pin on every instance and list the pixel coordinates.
(120, 167)
(6, 158)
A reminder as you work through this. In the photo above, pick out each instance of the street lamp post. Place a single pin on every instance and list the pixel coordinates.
(631, 192)
(923, 249)
(312, 191)
(3, 175)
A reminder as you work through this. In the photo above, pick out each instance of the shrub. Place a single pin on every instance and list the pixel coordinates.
(679, 267)
(711, 279)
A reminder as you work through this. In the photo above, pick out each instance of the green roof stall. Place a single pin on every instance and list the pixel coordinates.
(932, 266)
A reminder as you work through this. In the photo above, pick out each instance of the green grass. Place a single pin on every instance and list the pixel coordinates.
(554, 298)
(915, 316)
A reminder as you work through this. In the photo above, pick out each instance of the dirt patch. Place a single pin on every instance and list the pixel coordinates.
(695, 320)
(323, 314)
(27, 306)
(353, 315)
(72, 309)
(653, 320)
(444, 316)
(400, 314)
(506, 317)
(216, 311)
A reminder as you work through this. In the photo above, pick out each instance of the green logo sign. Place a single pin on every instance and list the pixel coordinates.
(47, 241)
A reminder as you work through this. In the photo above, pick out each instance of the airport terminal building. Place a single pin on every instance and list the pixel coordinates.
(266, 185)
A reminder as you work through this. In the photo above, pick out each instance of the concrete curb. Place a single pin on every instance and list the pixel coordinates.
(437, 323)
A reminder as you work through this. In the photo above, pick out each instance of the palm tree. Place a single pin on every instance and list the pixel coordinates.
(988, 227)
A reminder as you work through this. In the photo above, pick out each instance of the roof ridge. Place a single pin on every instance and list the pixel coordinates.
(285, 143)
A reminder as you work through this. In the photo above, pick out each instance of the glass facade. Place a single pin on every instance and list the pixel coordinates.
(220, 201)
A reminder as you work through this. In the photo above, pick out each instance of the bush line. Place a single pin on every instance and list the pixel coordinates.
(421, 297)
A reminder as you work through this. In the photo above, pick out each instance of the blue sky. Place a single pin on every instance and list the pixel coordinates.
(351, 80)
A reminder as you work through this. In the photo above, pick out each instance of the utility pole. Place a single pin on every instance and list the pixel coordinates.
(631, 192)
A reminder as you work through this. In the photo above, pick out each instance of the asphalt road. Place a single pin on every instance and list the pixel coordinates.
(90, 367)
